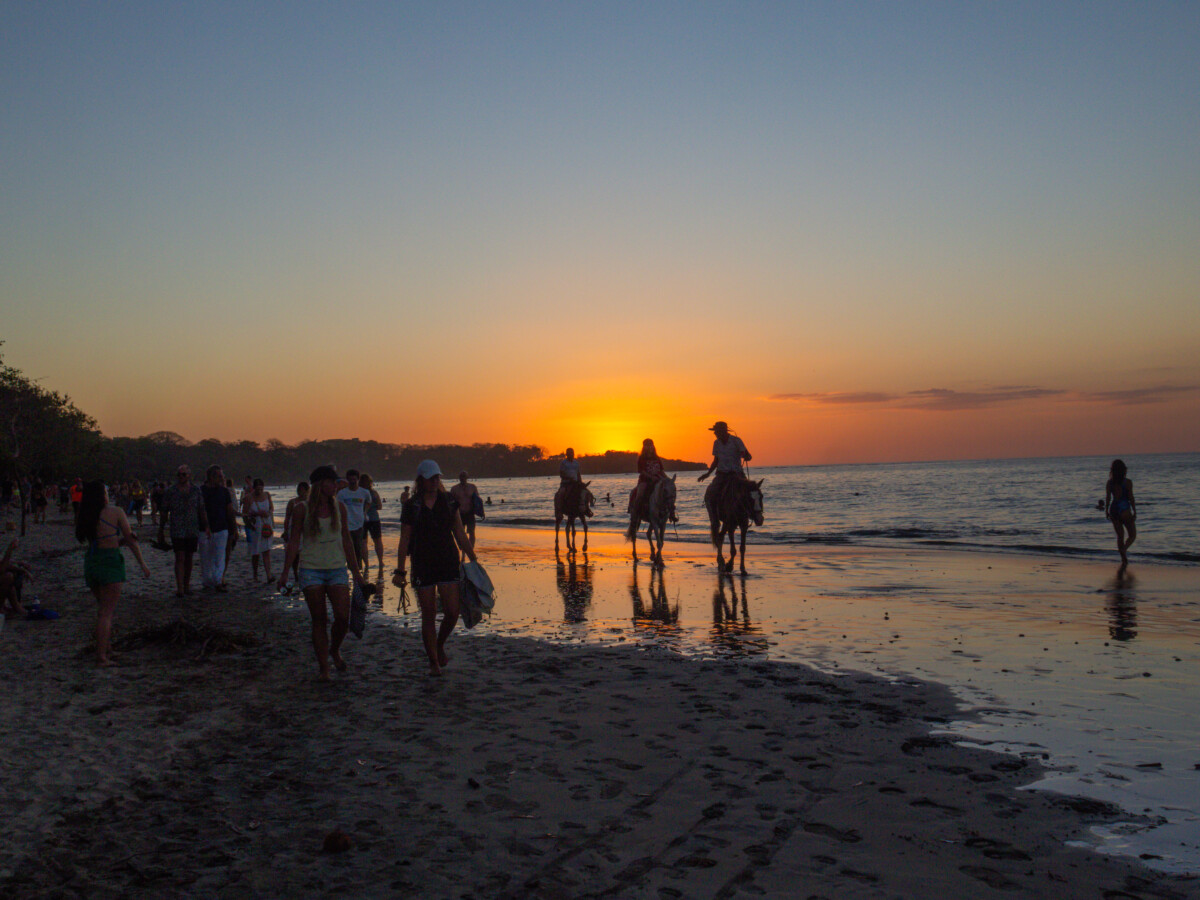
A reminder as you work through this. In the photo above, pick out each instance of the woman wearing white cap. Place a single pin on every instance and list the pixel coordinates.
(431, 531)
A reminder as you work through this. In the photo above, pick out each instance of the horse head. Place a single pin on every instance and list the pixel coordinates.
(668, 496)
(755, 498)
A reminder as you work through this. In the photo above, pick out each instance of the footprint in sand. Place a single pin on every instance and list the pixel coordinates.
(848, 836)
(991, 877)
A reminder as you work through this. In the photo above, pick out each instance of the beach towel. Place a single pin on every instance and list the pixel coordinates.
(478, 595)
(358, 611)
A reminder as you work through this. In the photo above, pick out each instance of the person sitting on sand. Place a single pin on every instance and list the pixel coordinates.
(1120, 508)
(106, 529)
(12, 572)
(321, 540)
(430, 527)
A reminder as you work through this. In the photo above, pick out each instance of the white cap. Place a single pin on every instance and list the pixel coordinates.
(427, 469)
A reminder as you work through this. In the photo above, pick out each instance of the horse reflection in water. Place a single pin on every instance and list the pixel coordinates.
(575, 585)
(733, 633)
(1121, 606)
(659, 612)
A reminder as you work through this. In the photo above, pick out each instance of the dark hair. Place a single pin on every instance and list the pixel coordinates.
(258, 482)
(90, 504)
(208, 473)
(1118, 470)
(649, 451)
(302, 484)
(352, 473)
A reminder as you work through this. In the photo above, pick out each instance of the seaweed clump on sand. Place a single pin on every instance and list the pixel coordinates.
(180, 634)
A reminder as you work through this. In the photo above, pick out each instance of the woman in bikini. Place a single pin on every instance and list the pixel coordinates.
(1120, 508)
(106, 529)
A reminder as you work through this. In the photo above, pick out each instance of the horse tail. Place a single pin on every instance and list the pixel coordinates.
(631, 531)
(715, 528)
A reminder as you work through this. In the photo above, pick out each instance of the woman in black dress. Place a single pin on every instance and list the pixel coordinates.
(431, 531)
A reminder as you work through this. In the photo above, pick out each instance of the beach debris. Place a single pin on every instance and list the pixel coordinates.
(337, 841)
(184, 634)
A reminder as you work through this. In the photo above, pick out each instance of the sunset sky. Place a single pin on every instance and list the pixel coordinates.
(857, 232)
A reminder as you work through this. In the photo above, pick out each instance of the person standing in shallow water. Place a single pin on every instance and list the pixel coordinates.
(321, 540)
(430, 527)
(1120, 508)
(105, 528)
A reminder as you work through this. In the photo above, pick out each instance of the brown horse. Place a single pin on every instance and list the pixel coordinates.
(738, 504)
(577, 502)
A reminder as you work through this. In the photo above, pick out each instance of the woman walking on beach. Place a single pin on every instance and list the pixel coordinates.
(430, 529)
(259, 510)
(321, 540)
(105, 528)
(1120, 508)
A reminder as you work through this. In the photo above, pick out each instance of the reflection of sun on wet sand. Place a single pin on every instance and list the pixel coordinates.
(530, 770)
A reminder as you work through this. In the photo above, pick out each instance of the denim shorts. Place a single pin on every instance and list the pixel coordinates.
(324, 578)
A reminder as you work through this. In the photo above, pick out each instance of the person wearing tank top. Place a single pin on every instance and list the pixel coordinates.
(320, 539)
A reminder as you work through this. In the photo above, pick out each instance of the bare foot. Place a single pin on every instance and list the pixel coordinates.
(323, 675)
(434, 669)
(338, 662)
(443, 659)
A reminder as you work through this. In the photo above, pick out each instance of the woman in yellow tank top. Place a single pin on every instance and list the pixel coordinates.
(320, 539)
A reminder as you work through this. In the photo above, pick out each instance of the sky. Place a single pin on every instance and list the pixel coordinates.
(857, 232)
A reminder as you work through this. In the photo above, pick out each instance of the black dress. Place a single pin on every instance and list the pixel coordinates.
(432, 548)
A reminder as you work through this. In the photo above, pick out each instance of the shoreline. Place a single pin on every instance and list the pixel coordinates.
(531, 769)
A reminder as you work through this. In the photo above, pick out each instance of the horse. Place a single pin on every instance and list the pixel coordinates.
(661, 508)
(740, 502)
(577, 502)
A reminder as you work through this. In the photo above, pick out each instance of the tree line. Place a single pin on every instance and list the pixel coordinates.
(44, 435)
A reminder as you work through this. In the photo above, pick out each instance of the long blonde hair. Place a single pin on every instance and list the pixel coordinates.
(312, 508)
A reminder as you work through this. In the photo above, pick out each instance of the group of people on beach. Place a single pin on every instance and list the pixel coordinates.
(332, 523)
(327, 527)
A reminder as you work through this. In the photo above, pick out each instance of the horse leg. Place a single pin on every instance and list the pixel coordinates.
(732, 549)
(557, 522)
(720, 544)
(585, 534)
(744, 527)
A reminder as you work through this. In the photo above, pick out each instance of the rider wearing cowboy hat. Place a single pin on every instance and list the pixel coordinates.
(728, 453)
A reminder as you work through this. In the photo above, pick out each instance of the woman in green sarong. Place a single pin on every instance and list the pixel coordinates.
(105, 528)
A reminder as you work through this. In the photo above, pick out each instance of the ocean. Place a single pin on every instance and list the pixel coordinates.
(1036, 506)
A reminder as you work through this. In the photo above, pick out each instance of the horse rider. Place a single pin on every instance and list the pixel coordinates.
(728, 453)
(568, 475)
(650, 470)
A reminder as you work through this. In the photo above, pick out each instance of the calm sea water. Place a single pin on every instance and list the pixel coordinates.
(1041, 506)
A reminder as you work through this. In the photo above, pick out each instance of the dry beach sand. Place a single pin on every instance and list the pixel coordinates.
(529, 770)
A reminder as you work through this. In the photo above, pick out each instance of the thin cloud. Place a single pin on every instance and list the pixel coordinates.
(1139, 395)
(932, 399)
(838, 399)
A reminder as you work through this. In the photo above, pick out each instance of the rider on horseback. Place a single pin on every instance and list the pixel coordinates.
(650, 470)
(728, 453)
(570, 480)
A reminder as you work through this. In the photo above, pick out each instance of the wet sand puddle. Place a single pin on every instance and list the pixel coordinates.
(1060, 660)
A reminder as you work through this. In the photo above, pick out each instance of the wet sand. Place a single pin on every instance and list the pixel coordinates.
(531, 769)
